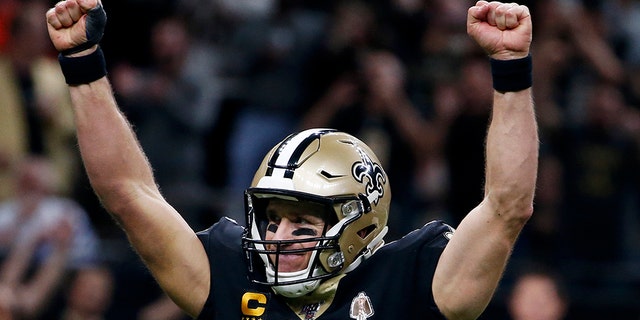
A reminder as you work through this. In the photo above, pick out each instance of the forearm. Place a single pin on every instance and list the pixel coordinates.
(115, 163)
(512, 158)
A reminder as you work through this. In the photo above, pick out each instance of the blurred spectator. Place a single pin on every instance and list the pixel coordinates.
(174, 104)
(600, 173)
(538, 295)
(7, 13)
(585, 30)
(26, 292)
(36, 209)
(413, 28)
(384, 117)
(333, 74)
(433, 179)
(162, 309)
(88, 294)
(35, 106)
(268, 58)
(138, 40)
(572, 47)
(625, 33)
(216, 20)
(43, 237)
(333, 69)
(464, 141)
(600, 166)
(443, 46)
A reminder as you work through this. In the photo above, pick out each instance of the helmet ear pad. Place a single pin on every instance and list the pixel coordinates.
(353, 239)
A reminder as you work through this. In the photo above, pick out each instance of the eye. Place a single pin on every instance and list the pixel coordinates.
(310, 220)
(299, 220)
(272, 217)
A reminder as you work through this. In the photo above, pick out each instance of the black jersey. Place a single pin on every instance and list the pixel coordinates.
(394, 283)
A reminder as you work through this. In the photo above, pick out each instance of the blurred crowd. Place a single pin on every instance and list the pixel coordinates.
(210, 85)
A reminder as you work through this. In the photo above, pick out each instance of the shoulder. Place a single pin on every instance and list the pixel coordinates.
(225, 225)
(226, 232)
(404, 271)
(433, 234)
(420, 247)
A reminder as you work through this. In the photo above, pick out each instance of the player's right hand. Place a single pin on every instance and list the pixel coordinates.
(76, 25)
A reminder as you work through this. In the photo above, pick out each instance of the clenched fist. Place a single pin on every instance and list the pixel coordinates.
(503, 30)
(76, 25)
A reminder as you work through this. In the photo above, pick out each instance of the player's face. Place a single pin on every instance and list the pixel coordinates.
(291, 220)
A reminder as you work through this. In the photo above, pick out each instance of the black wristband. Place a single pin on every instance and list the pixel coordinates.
(512, 75)
(85, 69)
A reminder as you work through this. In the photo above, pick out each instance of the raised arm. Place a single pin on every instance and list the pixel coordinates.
(117, 167)
(473, 262)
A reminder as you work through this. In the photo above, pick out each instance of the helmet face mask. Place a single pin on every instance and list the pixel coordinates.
(334, 172)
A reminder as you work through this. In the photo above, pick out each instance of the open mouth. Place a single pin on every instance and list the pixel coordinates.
(290, 262)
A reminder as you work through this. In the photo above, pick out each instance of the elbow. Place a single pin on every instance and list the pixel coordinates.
(518, 209)
(470, 309)
(117, 195)
(512, 204)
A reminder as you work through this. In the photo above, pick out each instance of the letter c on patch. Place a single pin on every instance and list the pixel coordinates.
(257, 301)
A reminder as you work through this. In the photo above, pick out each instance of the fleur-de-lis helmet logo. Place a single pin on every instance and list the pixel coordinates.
(370, 174)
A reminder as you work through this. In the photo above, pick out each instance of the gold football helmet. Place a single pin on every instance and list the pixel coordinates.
(336, 170)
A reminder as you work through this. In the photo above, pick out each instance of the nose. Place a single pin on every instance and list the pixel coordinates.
(285, 230)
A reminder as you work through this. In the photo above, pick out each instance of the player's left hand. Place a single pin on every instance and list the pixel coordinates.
(503, 30)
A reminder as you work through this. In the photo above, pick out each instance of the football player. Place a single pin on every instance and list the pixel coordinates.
(318, 206)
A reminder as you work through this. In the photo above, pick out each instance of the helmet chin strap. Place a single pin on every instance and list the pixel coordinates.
(296, 289)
